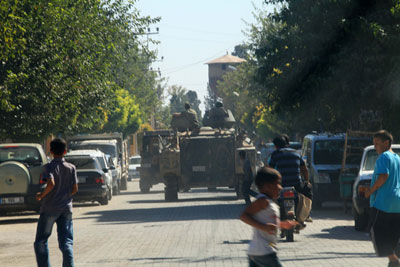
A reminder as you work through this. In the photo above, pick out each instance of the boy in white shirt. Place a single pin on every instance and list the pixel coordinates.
(263, 215)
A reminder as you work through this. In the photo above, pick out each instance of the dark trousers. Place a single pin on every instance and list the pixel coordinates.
(385, 232)
(247, 191)
(270, 260)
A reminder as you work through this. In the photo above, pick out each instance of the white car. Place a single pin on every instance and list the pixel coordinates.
(134, 163)
(361, 208)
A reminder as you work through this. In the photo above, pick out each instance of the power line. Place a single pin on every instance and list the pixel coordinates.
(194, 40)
(179, 68)
(197, 30)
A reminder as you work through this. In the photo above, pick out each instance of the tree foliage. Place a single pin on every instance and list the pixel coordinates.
(73, 65)
(329, 61)
(180, 96)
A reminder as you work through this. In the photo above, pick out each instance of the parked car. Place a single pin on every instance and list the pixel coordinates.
(95, 182)
(21, 165)
(112, 144)
(361, 208)
(134, 163)
(323, 154)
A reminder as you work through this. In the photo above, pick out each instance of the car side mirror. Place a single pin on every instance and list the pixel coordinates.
(105, 170)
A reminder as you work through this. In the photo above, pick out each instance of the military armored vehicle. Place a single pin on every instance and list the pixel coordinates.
(150, 165)
(207, 157)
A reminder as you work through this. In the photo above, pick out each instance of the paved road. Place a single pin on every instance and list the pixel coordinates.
(201, 229)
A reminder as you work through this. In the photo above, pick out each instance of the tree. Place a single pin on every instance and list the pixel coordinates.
(234, 89)
(329, 61)
(194, 102)
(67, 65)
(178, 98)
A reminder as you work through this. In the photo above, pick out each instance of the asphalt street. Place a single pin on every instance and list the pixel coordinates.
(201, 229)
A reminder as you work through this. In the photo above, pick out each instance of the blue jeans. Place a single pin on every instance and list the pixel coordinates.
(65, 237)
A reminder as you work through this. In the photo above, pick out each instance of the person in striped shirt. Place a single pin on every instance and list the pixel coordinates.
(290, 165)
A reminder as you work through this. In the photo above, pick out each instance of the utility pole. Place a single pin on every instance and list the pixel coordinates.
(148, 33)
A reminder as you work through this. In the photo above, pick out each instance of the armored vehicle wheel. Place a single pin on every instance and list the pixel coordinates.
(144, 190)
(171, 188)
(238, 189)
(144, 187)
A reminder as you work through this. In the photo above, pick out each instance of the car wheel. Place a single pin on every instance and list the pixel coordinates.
(115, 189)
(104, 200)
(109, 193)
(289, 235)
(360, 220)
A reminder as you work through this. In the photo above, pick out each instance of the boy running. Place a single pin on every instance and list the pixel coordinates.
(263, 215)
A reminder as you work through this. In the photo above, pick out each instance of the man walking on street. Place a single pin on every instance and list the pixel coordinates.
(62, 184)
(384, 194)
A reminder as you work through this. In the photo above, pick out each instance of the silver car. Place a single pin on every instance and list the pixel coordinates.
(95, 180)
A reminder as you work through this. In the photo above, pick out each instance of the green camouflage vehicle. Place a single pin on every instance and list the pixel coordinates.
(207, 157)
(150, 153)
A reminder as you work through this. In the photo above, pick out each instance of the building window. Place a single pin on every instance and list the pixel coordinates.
(223, 66)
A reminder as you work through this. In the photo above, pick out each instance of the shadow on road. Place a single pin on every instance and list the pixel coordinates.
(140, 193)
(240, 242)
(223, 198)
(334, 256)
(330, 213)
(186, 213)
(342, 233)
(18, 221)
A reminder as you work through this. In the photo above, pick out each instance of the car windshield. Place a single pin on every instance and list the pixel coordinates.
(83, 162)
(28, 155)
(102, 162)
(106, 149)
(330, 152)
(134, 161)
(295, 145)
(372, 156)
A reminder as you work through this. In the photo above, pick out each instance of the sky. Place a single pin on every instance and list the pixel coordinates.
(192, 33)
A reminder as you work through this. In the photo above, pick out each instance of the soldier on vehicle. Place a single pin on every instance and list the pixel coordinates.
(190, 116)
(216, 116)
(218, 111)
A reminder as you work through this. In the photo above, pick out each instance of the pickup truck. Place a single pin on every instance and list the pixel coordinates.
(21, 165)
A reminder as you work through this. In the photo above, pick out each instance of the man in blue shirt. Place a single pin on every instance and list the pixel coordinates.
(384, 196)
